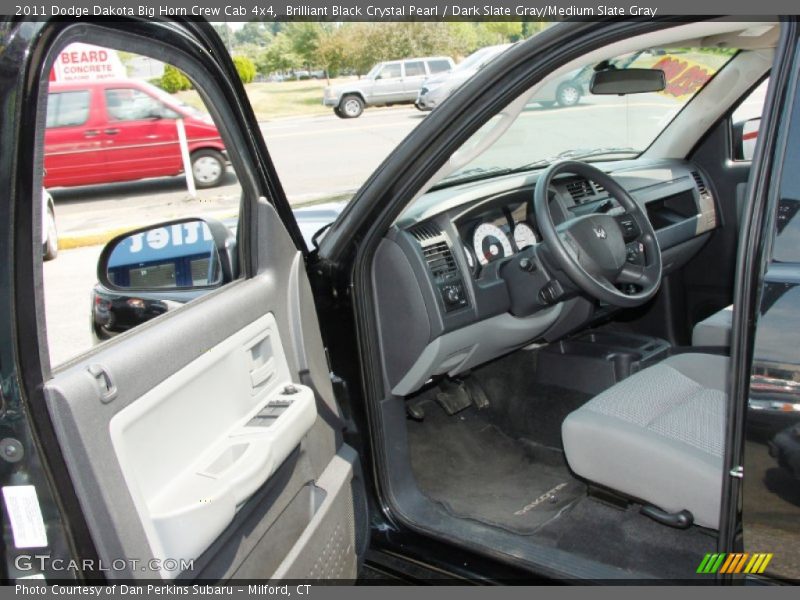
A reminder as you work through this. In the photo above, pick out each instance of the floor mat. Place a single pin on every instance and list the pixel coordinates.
(523, 407)
(629, 540)
(477, 472)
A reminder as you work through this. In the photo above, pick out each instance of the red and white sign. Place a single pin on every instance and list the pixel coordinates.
(81, 62)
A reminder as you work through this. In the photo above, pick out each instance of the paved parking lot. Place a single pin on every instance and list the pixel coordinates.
(316, 157)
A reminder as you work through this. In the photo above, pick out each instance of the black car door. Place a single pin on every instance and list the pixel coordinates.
(206, 444)
(764, 465)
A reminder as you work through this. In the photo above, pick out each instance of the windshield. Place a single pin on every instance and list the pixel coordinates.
(374, 71)
(476, 59)
(564, 120)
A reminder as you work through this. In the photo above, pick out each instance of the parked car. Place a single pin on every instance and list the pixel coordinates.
(49, 229)
(564, 91)
(387, 83)
(490, 368)
(439, 86)
(122, 130)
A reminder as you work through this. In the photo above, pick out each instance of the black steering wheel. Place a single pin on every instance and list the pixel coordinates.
(592, 250)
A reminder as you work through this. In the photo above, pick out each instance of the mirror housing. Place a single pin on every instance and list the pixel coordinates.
(620, 82)
(185, 254)
(745, 136)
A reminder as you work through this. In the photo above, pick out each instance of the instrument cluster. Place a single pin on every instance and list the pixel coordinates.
(497, 233)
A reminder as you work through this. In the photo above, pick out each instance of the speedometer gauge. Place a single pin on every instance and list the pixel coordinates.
(490, 243)
(524, 236)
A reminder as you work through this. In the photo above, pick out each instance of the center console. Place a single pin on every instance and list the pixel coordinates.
(595, 360)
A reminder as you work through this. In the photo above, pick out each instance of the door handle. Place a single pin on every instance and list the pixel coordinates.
(111, 131)
(105, 383)
(91, 133)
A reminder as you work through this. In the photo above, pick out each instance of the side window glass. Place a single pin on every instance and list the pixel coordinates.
(68, 109)
(158, 193)
(746, 121)
(415, 68)
(439, 66)
(128, 104)
(390, 71)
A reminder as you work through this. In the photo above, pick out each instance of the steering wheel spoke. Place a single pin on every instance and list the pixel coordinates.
(592, 250)
(631, 274)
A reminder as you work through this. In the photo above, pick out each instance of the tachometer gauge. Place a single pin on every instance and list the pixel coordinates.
(490, 243)
(524, 235)
(470, 258)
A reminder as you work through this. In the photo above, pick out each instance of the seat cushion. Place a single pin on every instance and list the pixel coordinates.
(657, 436)
(715, 330)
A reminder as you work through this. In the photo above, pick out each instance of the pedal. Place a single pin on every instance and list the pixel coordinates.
(416, 408)
(475, 390)
(453, 397)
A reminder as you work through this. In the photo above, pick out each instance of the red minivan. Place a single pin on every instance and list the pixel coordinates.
(120, 130)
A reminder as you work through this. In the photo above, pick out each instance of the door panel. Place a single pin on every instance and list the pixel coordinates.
(163, 467)
(241, 431)
(207, 443)
(137, 147)
(414, 75)
(73, 140)
(388, 86)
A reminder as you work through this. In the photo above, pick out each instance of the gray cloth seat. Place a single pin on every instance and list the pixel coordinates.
(715, 330)
(657, 436)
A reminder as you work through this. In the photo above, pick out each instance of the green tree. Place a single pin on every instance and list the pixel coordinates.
(279, 56)
(506, 31)
(256, 33)
(245, 68)
(173, 80)
(334, 50)
(304, 37)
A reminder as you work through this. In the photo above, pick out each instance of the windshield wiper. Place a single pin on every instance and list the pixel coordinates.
(582, 153)
(473, 174)
(479, 173)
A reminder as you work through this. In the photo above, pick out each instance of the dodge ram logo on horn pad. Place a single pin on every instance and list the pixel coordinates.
(600, 232)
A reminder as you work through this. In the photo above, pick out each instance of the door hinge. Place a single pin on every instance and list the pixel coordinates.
(737, 472)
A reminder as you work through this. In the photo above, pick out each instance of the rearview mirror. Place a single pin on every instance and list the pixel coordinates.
(178, 255)
(620, 82)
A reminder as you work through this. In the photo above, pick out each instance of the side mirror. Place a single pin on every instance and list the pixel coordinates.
(745, 136)
(620, 82)
(187, 254)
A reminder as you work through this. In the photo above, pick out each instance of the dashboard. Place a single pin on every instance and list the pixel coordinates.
(444, 303)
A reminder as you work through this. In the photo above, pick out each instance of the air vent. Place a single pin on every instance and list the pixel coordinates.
(599, 189)
(701, 185)
(440, 260)
(579, 189)
(426, 231)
